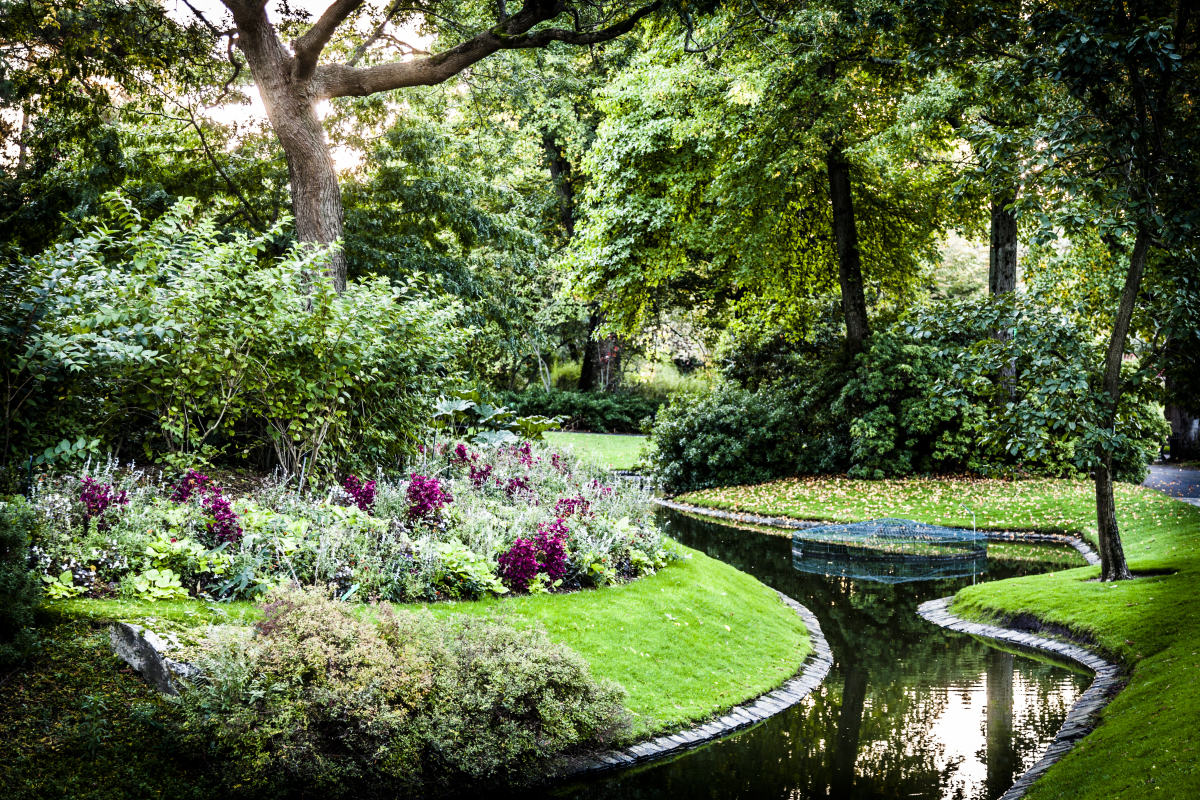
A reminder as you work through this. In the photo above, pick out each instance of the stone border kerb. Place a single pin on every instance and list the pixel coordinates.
(814, 669)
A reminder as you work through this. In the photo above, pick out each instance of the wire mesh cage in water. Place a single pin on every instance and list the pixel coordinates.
(890, 550)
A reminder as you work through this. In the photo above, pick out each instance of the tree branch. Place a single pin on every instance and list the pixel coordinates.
(341, 80)
(309, 46)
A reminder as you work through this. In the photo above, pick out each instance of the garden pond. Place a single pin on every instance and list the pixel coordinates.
(908, 710)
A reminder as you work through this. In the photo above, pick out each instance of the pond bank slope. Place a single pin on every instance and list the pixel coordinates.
(1148, 742)
(688, 643)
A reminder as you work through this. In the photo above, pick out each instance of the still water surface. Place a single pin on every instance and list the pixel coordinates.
(908, 710)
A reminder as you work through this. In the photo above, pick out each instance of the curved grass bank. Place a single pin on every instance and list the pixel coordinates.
(693, 640)
(1148, 742)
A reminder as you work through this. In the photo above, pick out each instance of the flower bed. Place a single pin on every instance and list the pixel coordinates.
(464, 523)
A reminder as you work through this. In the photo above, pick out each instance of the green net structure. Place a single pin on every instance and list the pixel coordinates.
(890, 551)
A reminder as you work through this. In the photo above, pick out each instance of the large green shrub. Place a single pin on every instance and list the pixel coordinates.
(896, 420)
(19, 587)
(344, 705)
(939, 394)
(199, 345)
(602, 412)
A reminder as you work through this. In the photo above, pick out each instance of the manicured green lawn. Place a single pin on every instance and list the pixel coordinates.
(611, 450)
(1046, 505)
(697, 637)
(694, 639)
(1148, 744)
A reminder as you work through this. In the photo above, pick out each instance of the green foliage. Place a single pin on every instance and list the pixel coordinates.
(19, 592)
(466, 413)
(728, 436)
(322, 699)
(1041, 384)
(225, 351)
(600, 412)
(939, 394)
(898, 422)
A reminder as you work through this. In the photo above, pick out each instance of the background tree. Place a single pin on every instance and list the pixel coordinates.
(293, 83)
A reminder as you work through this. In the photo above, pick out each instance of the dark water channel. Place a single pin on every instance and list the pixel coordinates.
(908, 710)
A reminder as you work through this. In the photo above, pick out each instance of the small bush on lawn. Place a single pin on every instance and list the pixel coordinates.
(337, 704)
(600, 412)
(19, 587)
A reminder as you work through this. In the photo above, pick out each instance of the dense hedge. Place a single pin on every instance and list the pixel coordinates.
(600, 412)
(19, 588)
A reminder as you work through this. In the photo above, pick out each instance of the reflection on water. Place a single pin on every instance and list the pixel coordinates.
(908, 710)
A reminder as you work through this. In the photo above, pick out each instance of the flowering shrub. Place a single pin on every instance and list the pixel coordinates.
(363, 494)
(516, 485)
(426, 497)
(480, 474)
(193, 482)
(222, 525)
(568, 506)
(98, 498)
(474, 518)
(546, 553)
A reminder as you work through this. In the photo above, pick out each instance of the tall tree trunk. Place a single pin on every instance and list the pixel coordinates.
(854, 304)
(560, 174)
(316, 197)
(589, 368)
(1002, 255)
(1112, 554)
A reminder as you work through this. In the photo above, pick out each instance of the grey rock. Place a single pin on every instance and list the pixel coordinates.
(145, 651)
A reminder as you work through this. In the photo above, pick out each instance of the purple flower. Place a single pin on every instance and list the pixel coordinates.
(222, 522)
(480, 475)
(546, 552)
(363, 494)
(192, 482)
(426, 497)
(460, 452)
(98, 498)
(516, 485)
(569, 506)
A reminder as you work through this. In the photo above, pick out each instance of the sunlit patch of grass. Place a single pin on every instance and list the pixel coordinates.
(609, 450)
(1045, 505)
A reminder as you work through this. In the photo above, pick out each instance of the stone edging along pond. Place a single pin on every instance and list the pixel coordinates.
(1082, 716)
(1020, 537)
(812, 672)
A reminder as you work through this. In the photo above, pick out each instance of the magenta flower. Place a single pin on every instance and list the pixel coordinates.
(362, 493)
(426, 497)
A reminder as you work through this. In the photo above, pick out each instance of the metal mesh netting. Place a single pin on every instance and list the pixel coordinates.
(890, 551)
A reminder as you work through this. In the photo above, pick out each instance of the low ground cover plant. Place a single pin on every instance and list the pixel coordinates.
(465, 522)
